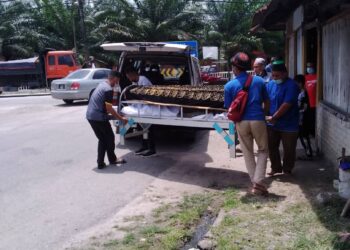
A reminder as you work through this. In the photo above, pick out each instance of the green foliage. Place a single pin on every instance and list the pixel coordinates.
(229, 28)
(26, 28)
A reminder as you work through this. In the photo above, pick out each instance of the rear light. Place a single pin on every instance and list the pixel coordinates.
(75, 86)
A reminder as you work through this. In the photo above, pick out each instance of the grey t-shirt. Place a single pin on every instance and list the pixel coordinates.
(96, 110)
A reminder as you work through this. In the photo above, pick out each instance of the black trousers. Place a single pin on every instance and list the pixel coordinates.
(289, 142)
(149, 143)
(105, 135)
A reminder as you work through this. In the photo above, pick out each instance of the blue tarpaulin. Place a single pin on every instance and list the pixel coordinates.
(19, 67)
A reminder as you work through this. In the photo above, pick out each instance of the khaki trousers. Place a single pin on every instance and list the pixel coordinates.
(248, 131)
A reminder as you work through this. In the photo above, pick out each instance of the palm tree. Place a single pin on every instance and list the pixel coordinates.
(26, 29)
(109, 21)
(164, 20)
(54, 18)
(15, 24)
(229, 26)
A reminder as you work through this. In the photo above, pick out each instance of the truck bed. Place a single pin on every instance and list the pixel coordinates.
(188, 116)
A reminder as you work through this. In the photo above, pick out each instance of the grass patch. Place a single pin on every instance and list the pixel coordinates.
(173, 231)
(230, 199)
(160, 210)
(153, 230)
(134, 218)
(250, 223)
(259, 225)
(129, 239)
(111, 244)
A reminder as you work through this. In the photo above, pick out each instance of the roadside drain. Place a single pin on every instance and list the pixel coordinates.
(203, 227)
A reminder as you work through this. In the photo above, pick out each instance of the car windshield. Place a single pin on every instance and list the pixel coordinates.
(205, 69)
(79, 74)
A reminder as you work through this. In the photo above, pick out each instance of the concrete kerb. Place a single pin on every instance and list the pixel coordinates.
(24, 95)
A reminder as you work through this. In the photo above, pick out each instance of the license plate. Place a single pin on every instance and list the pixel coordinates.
(61, 86)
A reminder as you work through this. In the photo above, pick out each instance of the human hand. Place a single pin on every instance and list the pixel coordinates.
(124, 120)
(270, 119)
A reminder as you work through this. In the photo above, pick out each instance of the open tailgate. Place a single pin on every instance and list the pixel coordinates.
(145, 46)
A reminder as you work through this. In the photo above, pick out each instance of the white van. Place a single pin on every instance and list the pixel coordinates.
(173, 65)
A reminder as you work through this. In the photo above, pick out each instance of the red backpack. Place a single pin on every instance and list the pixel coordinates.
(237, 107)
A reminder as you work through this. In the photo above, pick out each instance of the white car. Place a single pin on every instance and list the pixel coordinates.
(78, 85)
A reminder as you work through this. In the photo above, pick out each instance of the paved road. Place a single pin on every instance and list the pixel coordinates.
(50, 188)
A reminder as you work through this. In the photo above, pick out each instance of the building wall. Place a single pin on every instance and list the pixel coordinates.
(333, 113)
(333, 133)
(336, 61)
(294, 56)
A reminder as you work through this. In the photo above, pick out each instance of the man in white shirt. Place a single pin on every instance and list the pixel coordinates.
(137, 79)
(148, 146)
(259, 69)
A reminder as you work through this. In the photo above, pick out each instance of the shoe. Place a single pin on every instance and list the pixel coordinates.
(149, 153)
(140, 151)
(101, 165)
(120, 161)
(287, 172)
(272, 173)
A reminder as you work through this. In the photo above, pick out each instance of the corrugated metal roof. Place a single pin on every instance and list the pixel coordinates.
(273, 15)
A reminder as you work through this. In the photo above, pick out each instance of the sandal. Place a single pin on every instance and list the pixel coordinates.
(259, 190)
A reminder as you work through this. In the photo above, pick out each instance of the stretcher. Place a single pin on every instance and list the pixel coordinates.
(188, 116)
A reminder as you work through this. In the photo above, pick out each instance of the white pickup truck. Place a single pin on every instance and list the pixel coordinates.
(165, 64)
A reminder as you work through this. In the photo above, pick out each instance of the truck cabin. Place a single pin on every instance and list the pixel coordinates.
(59, 64)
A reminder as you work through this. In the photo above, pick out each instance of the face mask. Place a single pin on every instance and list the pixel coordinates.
(310, 70)
(279, 81)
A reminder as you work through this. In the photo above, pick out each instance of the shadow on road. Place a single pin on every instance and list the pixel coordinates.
(75, 103)
(187, 160)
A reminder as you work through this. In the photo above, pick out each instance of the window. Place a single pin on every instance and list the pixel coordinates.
(171, 67)
(78, 74)
(65, 60)
(100, 74)
(51, 60)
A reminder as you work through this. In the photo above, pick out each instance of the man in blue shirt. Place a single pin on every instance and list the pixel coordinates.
(283, 119)
(100, 105)
(253, 126)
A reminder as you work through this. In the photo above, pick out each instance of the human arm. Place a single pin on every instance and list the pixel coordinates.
(144, 81)
(109, 107)
(111, 110)
(290, 98)
(228, 95)
(279, 113)
(266, 106)
(266, 99)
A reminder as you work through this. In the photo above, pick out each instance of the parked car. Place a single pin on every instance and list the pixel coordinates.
(78, 85)
(209, 77)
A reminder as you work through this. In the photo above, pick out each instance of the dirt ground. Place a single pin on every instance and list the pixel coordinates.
(226, 181)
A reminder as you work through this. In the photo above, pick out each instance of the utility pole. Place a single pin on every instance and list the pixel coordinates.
(74, 28)
(81, 4)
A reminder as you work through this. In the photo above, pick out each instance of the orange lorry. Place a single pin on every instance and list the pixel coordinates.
(37, 71)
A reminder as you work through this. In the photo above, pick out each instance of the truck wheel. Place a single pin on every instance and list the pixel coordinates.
(68, 101)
